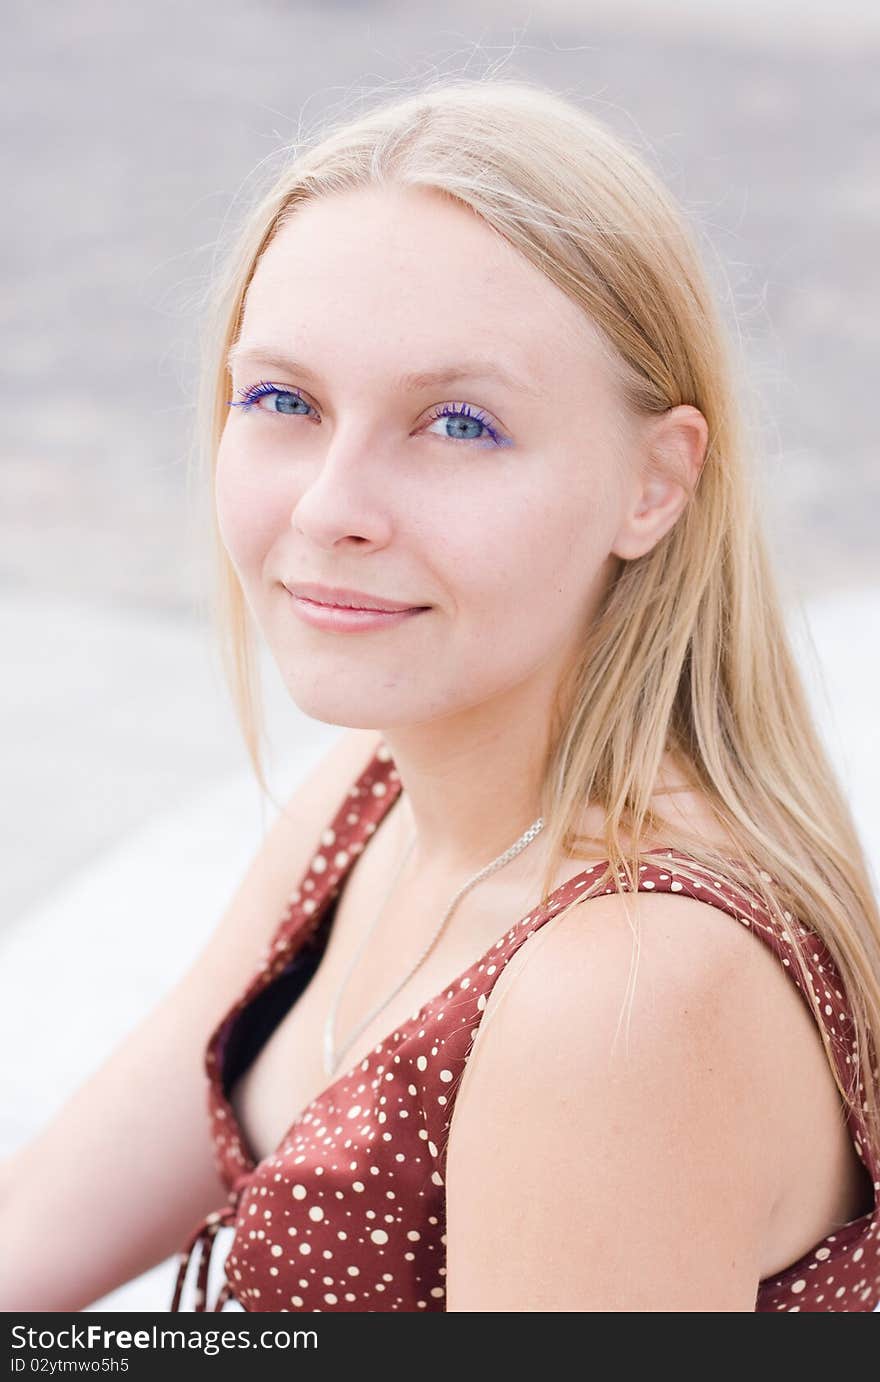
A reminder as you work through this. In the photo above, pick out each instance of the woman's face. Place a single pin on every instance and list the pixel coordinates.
(492, 496)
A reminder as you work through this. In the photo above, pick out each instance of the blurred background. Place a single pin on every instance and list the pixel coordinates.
(135, 139)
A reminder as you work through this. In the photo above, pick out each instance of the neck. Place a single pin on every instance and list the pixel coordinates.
(465, 804)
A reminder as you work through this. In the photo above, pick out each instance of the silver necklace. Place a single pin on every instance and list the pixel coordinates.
(332, 1056)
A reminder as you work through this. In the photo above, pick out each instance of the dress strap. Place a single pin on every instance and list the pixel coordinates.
(203, 1238)
(225, 1294)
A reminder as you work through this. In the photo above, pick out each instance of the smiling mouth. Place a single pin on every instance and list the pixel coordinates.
(359, 609)
(350, 618)
(337, 597)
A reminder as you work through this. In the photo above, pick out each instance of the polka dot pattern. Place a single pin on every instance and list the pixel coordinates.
(348, 1212)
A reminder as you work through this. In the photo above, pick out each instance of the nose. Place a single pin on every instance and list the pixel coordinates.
(347, 496)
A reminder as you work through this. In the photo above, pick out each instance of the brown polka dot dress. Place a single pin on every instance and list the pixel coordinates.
(348, 1213)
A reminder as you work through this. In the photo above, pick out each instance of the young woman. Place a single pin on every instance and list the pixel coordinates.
(556, 988)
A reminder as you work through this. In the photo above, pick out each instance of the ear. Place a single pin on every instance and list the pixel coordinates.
(672, 450)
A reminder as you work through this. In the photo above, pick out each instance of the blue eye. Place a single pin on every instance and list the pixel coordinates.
(466, 420)
(469, 424)
(286, 397)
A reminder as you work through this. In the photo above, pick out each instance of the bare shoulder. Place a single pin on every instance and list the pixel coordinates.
(615, 1138)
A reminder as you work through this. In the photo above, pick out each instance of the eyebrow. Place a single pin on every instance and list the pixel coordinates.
(487, 370)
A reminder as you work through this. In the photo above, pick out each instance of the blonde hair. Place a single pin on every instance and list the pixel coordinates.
(689, 652)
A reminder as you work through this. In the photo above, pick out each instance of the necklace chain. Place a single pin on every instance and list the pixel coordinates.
(332, 1055)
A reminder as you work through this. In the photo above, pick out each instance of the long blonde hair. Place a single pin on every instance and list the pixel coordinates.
(689, 652)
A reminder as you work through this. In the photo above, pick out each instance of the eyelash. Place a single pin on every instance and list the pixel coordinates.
(250, 396)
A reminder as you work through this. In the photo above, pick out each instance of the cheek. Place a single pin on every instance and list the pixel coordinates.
(248, 515)
(532, 566)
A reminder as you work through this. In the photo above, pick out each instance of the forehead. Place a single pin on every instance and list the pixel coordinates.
(409, 272)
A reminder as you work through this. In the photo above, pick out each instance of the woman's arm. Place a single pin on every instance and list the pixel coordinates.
(117, 1179)
(597, 1169)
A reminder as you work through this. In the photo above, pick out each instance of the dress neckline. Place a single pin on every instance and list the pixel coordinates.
(379, 771)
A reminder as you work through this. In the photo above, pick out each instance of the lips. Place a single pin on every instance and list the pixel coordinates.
(348, 619)
(338, 597)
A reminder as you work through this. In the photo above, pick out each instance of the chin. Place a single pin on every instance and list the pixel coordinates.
(347, 705)
(355, 704)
